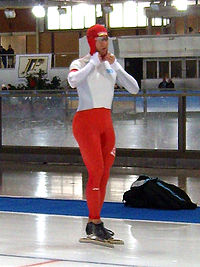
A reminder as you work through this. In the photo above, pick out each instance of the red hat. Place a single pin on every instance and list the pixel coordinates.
(94, 32)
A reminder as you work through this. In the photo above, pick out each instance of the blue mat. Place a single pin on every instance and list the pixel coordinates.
(110, 209)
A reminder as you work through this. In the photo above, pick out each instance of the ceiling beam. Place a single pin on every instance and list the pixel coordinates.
(30, 3)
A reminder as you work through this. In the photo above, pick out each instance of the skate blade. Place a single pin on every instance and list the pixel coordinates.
(96, 241)
(116, 241)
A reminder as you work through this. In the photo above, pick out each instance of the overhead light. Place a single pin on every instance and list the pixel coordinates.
(181, 4)
(38, 11)
(62, 11)
(107, 8)
(154, 7)
(10, 14)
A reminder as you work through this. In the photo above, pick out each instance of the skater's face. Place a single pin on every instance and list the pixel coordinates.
(102, 45)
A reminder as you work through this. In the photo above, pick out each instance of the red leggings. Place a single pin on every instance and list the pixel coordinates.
(93, 130)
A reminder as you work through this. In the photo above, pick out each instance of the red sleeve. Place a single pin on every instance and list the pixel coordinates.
(73, 70)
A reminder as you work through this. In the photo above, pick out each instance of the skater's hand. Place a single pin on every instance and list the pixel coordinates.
(110, 58)
(95, 59)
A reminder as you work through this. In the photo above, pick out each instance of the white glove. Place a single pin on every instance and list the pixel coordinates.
(95, 59)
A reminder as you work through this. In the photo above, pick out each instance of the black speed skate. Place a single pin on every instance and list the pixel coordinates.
(98, 234)
(89, 229)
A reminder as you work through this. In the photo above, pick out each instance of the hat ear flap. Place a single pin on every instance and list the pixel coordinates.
(92, 44)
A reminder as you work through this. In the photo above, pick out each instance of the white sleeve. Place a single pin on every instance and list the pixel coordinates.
(125, 79)
(76, 77)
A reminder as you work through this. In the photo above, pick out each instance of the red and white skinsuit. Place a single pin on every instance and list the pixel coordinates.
(92, 123)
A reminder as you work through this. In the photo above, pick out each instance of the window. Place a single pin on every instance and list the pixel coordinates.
(79, 16)
(89, 15)
(191, 2)
(98, 11)
(191, 68)
(116, 16)
(56, 21)
(65, 19)
(141, 16)
(163, 69)
(129, 14)
(176, 69)
(151, 69)
(83, 16)
(166, 22)
(53, 18)
(158, 22)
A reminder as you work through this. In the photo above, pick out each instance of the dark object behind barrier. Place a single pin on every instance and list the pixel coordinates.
(154, 193)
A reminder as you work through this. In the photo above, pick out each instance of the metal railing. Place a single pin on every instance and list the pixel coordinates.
(125, 156)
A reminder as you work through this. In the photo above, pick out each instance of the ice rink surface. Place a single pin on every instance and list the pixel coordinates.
(37, 240)
(52, 240)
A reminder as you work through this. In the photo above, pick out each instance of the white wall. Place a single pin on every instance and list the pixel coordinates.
(8, 76)
(159, 46)
(60, 73)
(11, 75)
